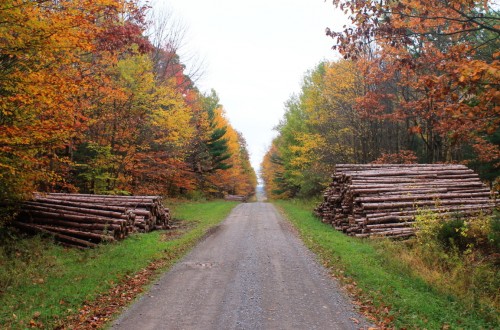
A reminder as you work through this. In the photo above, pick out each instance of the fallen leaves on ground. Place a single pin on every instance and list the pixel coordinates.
(95, 314)
(380, 315)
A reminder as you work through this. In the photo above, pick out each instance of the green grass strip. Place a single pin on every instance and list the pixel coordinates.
(47, 282)
(412, 302)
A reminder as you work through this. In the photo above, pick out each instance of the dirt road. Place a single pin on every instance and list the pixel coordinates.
(251, 273)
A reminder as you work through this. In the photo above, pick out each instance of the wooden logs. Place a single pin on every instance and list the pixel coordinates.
(383, 199)
(236, 198)
(69, 240)
(84, 220)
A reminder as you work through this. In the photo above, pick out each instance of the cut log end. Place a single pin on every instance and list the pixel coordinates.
(383, 199)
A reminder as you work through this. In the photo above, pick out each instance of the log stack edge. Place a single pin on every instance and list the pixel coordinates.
(84, 220)
(383, 199)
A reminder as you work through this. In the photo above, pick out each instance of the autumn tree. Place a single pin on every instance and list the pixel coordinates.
(168, 36)
(433, 66)
(272, 173)
(219, 158)
(209, 149)
(237, 177)
(89, 103)
(419, 82)
(247, 178)
(323, 126)
(47, 65)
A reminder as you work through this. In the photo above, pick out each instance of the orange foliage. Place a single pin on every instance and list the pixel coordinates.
(429, 65)
(272, 171)
(403, 157)
(239, 178)
(85, 106)
(44, 78)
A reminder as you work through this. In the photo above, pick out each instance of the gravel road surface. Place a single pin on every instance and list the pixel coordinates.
(251, 273)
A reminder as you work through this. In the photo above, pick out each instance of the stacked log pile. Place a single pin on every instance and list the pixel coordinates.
(236, 198)
(383, 199)
(86, 220)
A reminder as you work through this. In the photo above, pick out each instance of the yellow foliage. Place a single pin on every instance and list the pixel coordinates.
(171, 117)
(240, 178)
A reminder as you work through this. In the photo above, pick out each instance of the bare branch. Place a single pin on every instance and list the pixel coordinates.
(168, 36)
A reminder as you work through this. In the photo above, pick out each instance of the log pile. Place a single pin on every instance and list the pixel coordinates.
(85, 220)
(383, 199)
(236, 198)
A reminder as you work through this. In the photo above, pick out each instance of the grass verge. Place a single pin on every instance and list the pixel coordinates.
(43, 285)
(387, 291)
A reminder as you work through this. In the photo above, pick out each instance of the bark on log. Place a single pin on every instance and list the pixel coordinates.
(83, 205)
(58, 236)
(78, 233)
(383, 199)
(95, 217)
(76, 210)
(77, 218)
(78, 225)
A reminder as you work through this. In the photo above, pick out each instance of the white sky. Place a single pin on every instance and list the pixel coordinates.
(255, 54)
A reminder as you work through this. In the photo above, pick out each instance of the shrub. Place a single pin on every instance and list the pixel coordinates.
(480, 233)
(196, 195)
(450, 234)
(494, 234)
(460, 255)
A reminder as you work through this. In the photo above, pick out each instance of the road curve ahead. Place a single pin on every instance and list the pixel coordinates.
(251, 273)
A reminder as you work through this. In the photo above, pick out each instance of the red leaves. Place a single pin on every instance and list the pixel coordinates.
(97, 313)
(86, 106)
(486, 151)
(402, 157)
(425, 54)
(118, 37)
(50, 82)
(378, 313)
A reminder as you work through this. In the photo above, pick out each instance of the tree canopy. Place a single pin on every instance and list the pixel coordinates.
(88, 103)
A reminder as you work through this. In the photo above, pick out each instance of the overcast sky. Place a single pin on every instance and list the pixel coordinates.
(255, 55)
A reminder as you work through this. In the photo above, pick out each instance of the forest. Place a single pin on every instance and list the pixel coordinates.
(417, 82)
(94, 98)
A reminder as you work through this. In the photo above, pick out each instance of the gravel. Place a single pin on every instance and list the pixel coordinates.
(251, 273)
